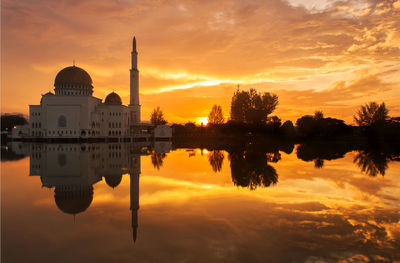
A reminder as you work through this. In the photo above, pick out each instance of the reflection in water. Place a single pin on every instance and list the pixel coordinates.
(9, 154)
(251, 169)
(371, 163)
(333, 215)
(73, 169)
(157, 159)
(318, 163)
(320, 151)
(73, 199)
(216, 159)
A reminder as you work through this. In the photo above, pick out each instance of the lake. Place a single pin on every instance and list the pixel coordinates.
(114, 202)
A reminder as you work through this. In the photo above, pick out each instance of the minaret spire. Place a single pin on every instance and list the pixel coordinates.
(134, 86)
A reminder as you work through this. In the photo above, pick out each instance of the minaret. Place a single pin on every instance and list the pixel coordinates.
(134, 181)
(134, 84)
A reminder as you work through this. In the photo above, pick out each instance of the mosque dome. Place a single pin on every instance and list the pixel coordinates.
(73, 200)
(46, 95)
(113, 180)
(73, 81)
(73, 75)
(113, 99)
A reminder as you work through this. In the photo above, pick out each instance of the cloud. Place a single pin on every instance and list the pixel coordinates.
(292, 45)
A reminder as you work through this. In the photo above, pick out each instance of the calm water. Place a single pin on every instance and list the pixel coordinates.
(145, 203)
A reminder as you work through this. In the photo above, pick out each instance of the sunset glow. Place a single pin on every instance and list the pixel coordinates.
(200, 131)
(203, 121)
(327, 55)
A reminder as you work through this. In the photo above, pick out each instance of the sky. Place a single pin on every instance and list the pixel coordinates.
(314, 54)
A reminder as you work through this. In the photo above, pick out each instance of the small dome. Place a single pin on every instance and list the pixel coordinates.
(113, 98)
(73, 75)
(73, 201)
(48, 93)
(113, 180)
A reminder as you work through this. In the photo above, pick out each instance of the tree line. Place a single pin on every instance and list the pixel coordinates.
(251, 114)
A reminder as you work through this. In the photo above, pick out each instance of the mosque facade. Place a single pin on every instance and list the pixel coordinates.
(72, 112)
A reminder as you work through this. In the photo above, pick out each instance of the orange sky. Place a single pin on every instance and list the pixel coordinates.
(316, 55)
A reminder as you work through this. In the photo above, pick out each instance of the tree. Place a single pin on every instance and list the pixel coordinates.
(372, 114)
(8, 121)
(216, 116)
(288, 129)
(157, 117)
(318, 115)
(274, 122)
(239, 105)
(252, 106)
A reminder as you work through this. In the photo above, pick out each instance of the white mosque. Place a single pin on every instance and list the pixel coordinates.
(71, 112)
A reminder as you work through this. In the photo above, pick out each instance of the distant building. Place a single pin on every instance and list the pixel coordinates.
(72, 112)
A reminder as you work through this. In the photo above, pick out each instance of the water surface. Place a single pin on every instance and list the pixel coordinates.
(144, 203)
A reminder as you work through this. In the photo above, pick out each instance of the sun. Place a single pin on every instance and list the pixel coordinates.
(202, 121)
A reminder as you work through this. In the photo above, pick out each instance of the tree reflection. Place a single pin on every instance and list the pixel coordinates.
(371, 163)
(251, 169)
(319, 163)
(157, 159)
(321, 151)
(216, 158)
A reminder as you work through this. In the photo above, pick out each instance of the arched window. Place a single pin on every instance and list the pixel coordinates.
(62, 121)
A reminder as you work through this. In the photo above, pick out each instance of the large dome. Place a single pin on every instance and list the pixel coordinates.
(73, 81)
(113, 98)
(73, 75)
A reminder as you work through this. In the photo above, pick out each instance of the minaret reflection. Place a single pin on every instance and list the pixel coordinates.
(134, 187)
(73, 169)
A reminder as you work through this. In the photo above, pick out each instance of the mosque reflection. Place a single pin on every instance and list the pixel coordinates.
(73, 169)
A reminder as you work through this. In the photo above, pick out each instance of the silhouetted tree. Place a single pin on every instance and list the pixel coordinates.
(274, 122)
(216, 158)
(306, 125)
(8, 121)
(317, 125)
(288, 129)
(318, 115)
(157, 159)
(252, 107)
(216, 116)
(157, 117)
(372, 114)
